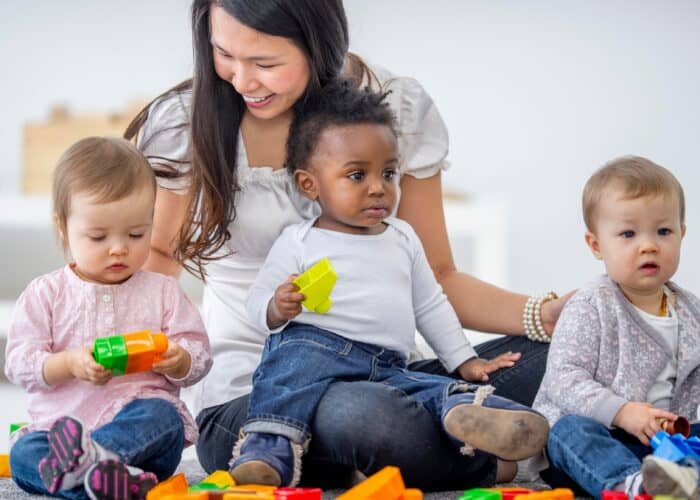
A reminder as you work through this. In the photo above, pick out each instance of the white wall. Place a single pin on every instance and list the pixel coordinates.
(536, 94)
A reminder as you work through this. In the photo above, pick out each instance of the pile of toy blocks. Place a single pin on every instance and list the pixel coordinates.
(387, 484)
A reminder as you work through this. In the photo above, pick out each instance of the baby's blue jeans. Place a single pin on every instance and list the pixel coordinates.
(146, 433)
(583, 453)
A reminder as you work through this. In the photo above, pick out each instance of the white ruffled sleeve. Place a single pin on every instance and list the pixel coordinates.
(423, 138)
(165, 140)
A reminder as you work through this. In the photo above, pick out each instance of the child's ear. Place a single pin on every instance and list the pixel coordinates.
(59, 229)
(307, 183)
(682, 231)
(593, 244)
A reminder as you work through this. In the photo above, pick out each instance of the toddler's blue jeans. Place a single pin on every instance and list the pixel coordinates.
(299, 363)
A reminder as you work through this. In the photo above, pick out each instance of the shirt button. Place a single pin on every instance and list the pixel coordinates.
(106, 298)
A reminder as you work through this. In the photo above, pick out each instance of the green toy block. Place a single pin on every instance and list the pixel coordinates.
(316, 284)
(111, 353)
(480, 494)
(15, 426)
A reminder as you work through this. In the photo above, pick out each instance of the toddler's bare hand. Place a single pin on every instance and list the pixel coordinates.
(84, 367)
(641, 420)
(175, 362)
(285, 304)
(477, 369)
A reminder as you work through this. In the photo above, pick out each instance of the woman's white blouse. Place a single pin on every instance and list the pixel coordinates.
(267, 202)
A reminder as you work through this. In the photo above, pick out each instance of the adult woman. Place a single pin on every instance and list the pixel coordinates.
(254, 61)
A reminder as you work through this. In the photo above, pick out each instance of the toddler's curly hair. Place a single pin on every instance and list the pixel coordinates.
(338, 103)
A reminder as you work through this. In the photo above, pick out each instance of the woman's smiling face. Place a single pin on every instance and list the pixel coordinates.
(270, 72)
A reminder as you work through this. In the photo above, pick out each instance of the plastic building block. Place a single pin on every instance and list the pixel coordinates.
(555, 494)
(130, 352)
(676, 447)
(511, 493)
(643, 496)
(613, 495)
(412, 494)
(480, 494)
(316, 284)
(16, 426)
(679, 426)
(298, 494)
(250, 492)
(5, 466)
(173, 485)
(387, 484)
(218, 480)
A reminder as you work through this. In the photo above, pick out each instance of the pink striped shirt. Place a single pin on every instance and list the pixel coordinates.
(59, 311)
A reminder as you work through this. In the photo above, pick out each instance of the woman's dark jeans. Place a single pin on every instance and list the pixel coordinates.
(366, 426)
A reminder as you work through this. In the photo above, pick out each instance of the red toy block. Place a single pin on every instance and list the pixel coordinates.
(613, 495)
(298, 494)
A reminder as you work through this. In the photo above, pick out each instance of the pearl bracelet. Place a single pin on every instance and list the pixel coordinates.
(532, 317)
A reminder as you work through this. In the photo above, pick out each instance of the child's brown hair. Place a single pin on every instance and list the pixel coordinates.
(637, 177)
(107, 168)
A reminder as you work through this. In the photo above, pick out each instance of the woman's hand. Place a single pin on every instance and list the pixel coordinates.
(84, 367)
(477, 369)
(175, 362)
(285, 304)
(641, 420)
(552, 309)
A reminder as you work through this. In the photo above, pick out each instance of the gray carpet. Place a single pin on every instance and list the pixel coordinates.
(194, 474)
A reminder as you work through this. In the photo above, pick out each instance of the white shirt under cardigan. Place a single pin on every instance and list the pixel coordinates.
(267, 202)
(384, 291)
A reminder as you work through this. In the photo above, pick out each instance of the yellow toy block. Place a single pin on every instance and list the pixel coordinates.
(387, 484)
(316, 284)
(175, 484)
(220, 478)
(5, 466)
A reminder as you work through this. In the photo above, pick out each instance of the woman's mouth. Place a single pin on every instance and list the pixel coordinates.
(257, 102)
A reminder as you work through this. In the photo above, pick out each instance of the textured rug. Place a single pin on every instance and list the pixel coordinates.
(194, 473)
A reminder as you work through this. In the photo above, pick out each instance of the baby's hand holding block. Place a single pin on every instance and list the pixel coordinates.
(131, 352)
(316, 284)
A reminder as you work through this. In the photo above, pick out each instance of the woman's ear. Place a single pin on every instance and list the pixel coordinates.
(306, 183)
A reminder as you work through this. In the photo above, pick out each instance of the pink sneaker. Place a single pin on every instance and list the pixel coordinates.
(113, 480)
(69, 456)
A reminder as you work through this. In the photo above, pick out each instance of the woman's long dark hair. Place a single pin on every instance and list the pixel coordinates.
(319, 28)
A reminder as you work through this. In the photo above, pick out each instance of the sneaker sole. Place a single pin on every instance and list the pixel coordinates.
(65, 450)
(658, 480)
(256, 472)
(111, 480)
(508, 434)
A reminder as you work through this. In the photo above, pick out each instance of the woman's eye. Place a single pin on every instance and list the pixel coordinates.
(267, 66)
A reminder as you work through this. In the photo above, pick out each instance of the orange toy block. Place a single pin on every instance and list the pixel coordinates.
(387, 484)
(175, 484)
(412, 494)
(5, 465)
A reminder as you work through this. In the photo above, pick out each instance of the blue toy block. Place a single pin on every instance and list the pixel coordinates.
(675, 448)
